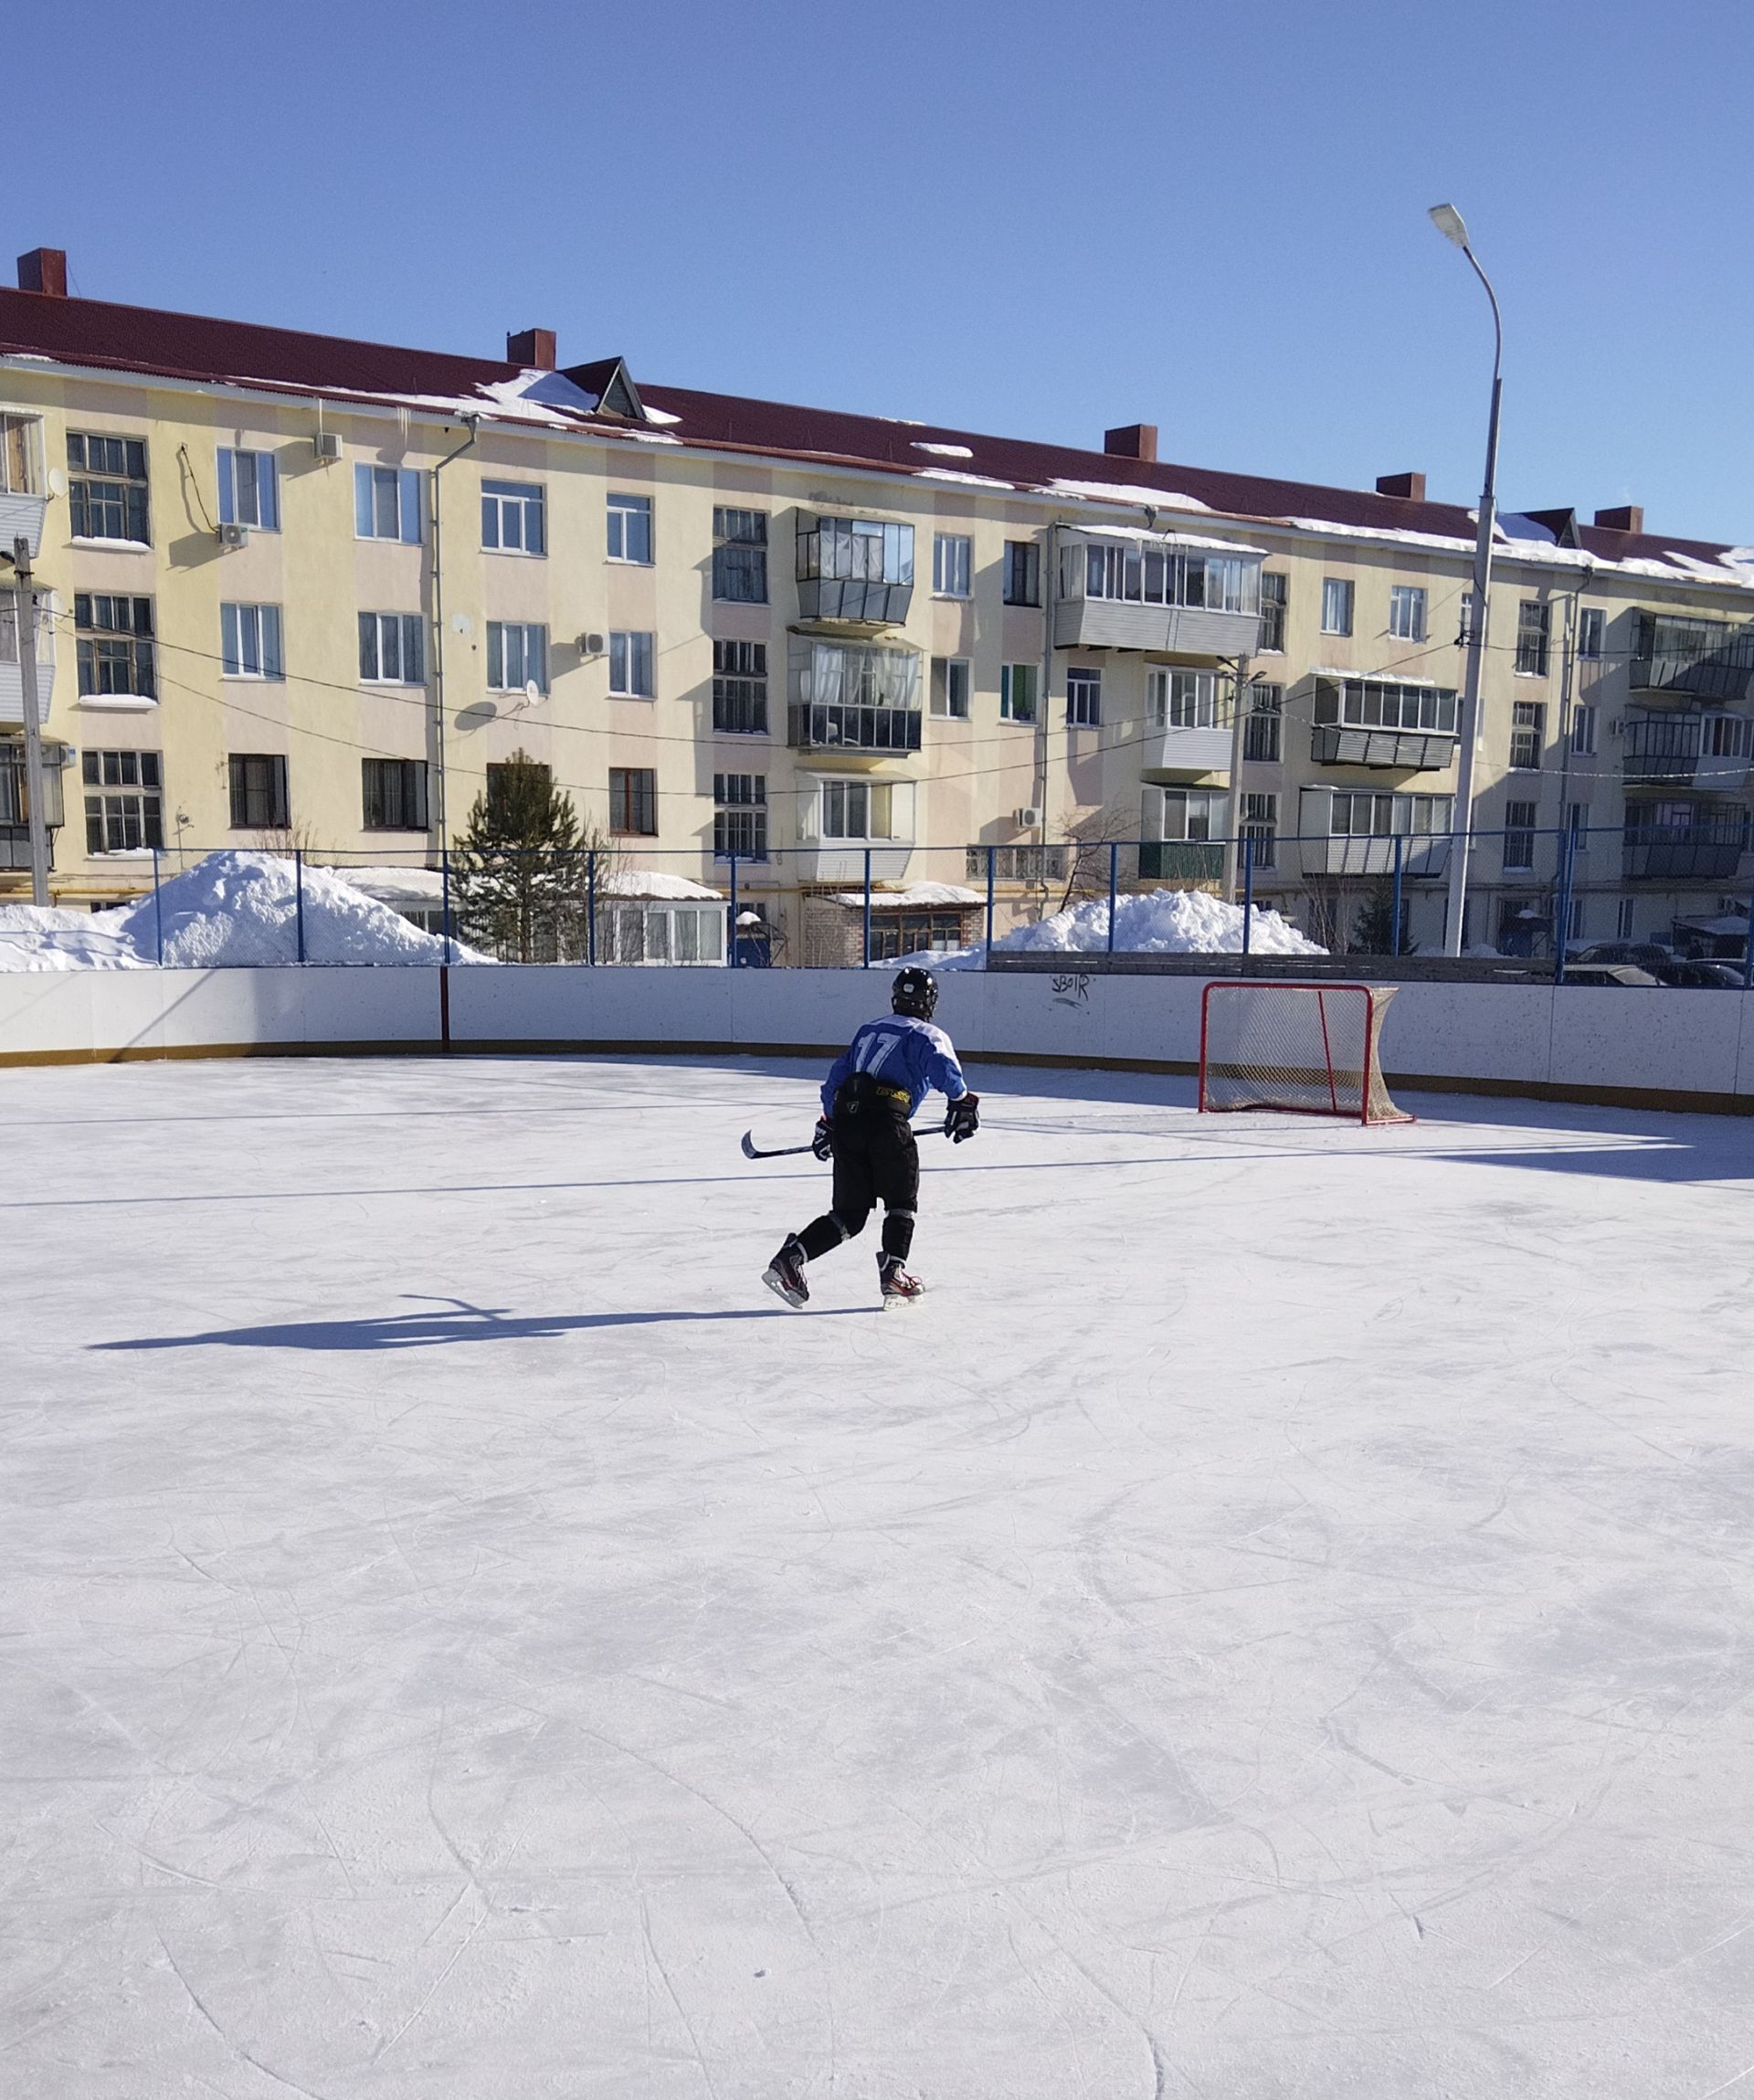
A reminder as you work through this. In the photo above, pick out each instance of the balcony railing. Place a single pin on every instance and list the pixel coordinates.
(1182, 860)
(1397, 750)
(1170, 748)
(834, 726)
(1707, 752)
(843, 860)
(1708, 851)
(1693, 659)
(1422, 854)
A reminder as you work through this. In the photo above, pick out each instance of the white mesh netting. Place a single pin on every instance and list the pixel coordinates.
(1314, 1049)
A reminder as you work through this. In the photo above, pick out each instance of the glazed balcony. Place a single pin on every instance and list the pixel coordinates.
(1692, 660)
(837, 726)
(856, 572)
(1169, 592)
(1396, 725)
(1708, 850)
(1707, 752)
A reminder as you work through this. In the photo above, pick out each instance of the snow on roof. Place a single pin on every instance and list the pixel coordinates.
(1126, 492)
(968, 481)
(653, 884)
(919, 895)
(1164, 539)
(944, 451)
(1378, 677)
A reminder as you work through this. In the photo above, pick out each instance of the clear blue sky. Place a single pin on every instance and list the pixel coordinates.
(1010, 216)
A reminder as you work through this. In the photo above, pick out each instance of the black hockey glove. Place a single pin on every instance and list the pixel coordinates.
(962, 1118)
(822, 1143)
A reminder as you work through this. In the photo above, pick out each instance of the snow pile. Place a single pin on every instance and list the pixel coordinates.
(653, 883)
(229, 911)
(1156, 923)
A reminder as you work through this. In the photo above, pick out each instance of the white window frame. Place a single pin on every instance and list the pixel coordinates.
(633, 658)
(29, 454)
(1577, 828)
(1087, 713)
(1008, 695)
(387, 497)
(409, 629)
(1592, 633)
(530, 650)
(1406, 604)
(953, 565)
(251, 643)
(1623, 914)
(1528, 719)
(842, 801)
(952, 684)
(624, 506)
(1522, 829)
(1186, 700)
(519, 500)
(1338, 605)
(248, 495)
(1583, 729)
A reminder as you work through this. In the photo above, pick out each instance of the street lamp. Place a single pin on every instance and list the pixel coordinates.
(1449, 223)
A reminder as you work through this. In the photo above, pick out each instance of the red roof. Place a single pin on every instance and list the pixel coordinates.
(194, 347)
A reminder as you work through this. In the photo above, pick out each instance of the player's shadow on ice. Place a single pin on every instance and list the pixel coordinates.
(433, 1330)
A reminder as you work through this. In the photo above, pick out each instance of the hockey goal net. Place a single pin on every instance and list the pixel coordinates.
(1311, 1050)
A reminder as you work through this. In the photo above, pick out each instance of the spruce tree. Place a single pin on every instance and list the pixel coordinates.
(519, 879)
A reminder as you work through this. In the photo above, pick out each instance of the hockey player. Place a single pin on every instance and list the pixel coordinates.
(868, 1102)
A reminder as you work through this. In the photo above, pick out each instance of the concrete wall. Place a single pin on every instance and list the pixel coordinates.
(1663, 1047)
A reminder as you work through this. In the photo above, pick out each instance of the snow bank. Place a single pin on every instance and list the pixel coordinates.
(229, 911)
(1156, 923)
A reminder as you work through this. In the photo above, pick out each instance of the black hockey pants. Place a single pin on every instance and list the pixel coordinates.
(875, 1159)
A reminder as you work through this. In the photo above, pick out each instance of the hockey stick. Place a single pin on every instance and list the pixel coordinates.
(751, 1150)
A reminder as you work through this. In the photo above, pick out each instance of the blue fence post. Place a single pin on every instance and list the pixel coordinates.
(590, 908)
(733, 911)
(865, 964)
(444, 897)
(1748, 947)
(1394, 939)
(1248, 894)
(992, 857)
(158, 914)
(298, 878)
(1113, 872)
(1562, 909)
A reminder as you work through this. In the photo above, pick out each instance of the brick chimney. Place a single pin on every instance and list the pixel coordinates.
(1135, 441)
(1411, 486)
(1625, 518)
(534, 348)
(44, 270)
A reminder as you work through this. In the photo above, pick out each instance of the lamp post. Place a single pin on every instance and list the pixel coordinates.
(1449, 223)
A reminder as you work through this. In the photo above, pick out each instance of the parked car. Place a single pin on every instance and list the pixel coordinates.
(1608, 974)
(1647, 954)
(1699, 971)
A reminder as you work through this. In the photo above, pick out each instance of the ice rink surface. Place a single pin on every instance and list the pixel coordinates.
(1275, 1621)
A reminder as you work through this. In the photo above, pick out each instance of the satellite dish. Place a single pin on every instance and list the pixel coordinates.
(461, 623)
(532, 692)
(57, 482)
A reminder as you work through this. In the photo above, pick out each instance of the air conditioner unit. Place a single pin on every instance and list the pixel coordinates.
(326, 445)
(1025, 820)
(592, 644)
(234, 535)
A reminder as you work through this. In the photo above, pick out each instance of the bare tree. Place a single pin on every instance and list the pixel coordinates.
(1090, 840)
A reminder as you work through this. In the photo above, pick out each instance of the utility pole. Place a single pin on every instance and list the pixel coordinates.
(24, 598)
(1233, 844)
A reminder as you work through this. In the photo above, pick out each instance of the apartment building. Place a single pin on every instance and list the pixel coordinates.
(312, 590)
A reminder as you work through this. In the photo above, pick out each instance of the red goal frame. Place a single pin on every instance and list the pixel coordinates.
(1374, 998)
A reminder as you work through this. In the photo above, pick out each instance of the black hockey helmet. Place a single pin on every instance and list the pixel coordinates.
(915, 992)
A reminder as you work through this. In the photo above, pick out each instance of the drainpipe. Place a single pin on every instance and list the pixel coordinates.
(1044, 701)
(473, 424)
(1565, 877)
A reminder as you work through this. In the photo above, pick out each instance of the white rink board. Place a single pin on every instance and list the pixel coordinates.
(1270, 1624)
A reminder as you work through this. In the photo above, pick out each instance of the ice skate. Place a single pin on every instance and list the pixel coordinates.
(899, 1287)
(784, 1274)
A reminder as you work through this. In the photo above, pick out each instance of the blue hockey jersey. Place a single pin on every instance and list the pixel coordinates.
(899, 1050)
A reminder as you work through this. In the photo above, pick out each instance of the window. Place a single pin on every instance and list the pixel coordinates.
(1276, 595)
(1154, 575)
(392, 650)
(1261, 729)
(1194, 812)
(1017, 692)
(19, 455)
(249, 641)
(633, 801)
(1577, 826)
(106, 487)
(1337, 605)
(123, 806)
(1360, 814)
(1084, 698)
(1519, 835)
(1466, 626)
(953, 559)
(740, 816)
(740, 687)
(1624, 920)
(1017, 863)
(631, 666)
(1527, 733)
(515, 518)
(1406, 612)
(395, 794)
(115, 645)
(1583, 731)
(386, 503)
(1022, 572)
(630, 528)
(858, 809)
(1186, 700)
(1261, 826)
(1384, 703)
(258, 796)
(1574, 924)
(646, 932)
(1592, 631)
(250, 489)
(897, 934)
(950, 687)
(1533, 620)
(517, 657)
(740, 556)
